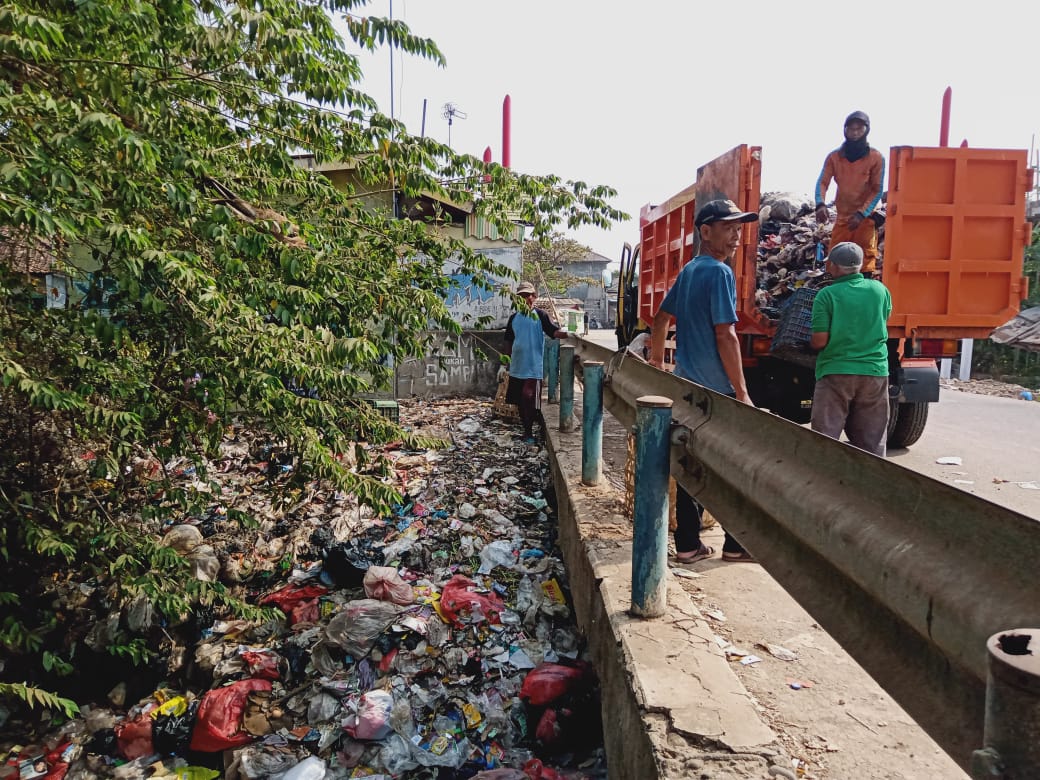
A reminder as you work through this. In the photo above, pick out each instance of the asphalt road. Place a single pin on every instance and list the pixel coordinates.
(827, 711)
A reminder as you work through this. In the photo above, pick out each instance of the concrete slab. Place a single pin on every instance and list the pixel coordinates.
(672, 706)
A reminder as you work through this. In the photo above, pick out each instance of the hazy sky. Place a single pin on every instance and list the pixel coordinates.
(638, 95)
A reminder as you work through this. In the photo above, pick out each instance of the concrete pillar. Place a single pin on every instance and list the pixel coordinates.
(592, 424)
(650, 507)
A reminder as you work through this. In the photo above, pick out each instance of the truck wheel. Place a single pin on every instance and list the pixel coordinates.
(906, 423)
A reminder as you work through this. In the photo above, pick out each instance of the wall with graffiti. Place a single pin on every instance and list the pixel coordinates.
(465, 364)
(468, 301)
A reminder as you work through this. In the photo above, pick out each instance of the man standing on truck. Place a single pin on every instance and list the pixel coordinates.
(703, 301)
(849, 325)
(859, 171)
(525, 339)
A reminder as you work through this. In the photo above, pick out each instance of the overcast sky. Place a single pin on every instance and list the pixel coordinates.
(638, 95)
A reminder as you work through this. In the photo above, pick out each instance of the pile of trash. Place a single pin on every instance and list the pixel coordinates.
(792, 248)
(433, 642)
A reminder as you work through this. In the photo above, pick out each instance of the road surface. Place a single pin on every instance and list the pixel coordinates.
(826, 710)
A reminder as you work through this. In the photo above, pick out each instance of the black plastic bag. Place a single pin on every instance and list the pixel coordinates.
(172, 733)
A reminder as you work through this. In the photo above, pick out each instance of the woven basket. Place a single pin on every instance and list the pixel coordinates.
(499, 407)
(630, 486)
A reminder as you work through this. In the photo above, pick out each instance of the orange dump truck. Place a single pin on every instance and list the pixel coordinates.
(955, 239)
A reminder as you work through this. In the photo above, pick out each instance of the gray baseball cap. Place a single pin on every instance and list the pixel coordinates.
(846, 255)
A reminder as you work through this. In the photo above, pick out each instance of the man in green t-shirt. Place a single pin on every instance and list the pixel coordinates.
(849, 329)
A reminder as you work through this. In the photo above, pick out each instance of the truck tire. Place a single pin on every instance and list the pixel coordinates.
(906, 423)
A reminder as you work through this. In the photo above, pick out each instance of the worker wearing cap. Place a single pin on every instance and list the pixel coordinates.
(525, 340)
(849, 325)
(703, 301)
(859, 172)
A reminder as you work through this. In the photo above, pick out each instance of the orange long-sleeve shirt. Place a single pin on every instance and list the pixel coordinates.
(859, 183)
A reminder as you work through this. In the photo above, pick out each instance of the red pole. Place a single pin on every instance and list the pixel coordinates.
(487, 159)
(944, 123)
(506, 132)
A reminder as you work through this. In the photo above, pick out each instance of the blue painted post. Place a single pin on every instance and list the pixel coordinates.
(650, 533)
(592, 424)
(553, 352)
(566, 387)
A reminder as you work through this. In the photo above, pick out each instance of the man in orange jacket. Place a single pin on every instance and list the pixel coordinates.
(859, 172)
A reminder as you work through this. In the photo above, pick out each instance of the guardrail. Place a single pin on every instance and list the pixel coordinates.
(922, 583)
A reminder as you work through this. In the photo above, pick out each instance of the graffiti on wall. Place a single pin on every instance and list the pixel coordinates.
(455, 365)
(468, 301)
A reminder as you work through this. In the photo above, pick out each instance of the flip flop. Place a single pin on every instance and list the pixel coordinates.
(697, 555)
(738, 557)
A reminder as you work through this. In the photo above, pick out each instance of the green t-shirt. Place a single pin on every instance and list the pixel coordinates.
(854, 311)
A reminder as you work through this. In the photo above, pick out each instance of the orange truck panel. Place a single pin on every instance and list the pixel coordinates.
(955, 239)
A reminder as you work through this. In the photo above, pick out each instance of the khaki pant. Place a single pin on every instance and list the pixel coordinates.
(856, 404)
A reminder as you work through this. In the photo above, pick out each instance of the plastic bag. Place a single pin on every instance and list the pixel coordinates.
(500, 553)
(205, 566)
(171, 732)
(182, 538)
(548, 682)
(263, 664)
(347, 562)
(291, 595)
(373, 716)
(462, 605)
(311, 768)
(359, 624)
(219, 722)
(134, 738)
(385, 584)
(257, 763)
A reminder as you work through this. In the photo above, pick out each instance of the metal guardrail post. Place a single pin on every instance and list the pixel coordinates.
(566, 387)
(650, 507)
(1012, 722)
(592, 424)
(553, 358)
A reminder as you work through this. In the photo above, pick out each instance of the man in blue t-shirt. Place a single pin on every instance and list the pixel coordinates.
(703, 301)
(525, 340)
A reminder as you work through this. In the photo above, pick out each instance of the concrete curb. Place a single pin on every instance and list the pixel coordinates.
(672, 707)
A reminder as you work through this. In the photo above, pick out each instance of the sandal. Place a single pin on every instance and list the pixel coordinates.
(693, 556)
(738, 557)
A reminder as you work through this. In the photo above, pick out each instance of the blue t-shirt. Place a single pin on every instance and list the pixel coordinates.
(527, 335)
(704, 295)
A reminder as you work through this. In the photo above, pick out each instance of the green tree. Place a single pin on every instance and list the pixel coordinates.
(546, 262)
(149, 142)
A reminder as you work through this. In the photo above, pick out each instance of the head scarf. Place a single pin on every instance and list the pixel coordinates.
(855, 150)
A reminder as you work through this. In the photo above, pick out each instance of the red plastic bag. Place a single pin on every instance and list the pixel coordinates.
(305, 612)
(548, 730)
(288, 597)
(263, 664)
(463, 605)
(219, 723)
(134, 737)
(536, 770)
(548, 682)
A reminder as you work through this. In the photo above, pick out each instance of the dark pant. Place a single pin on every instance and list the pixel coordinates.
(688, 525)
(527, 395)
